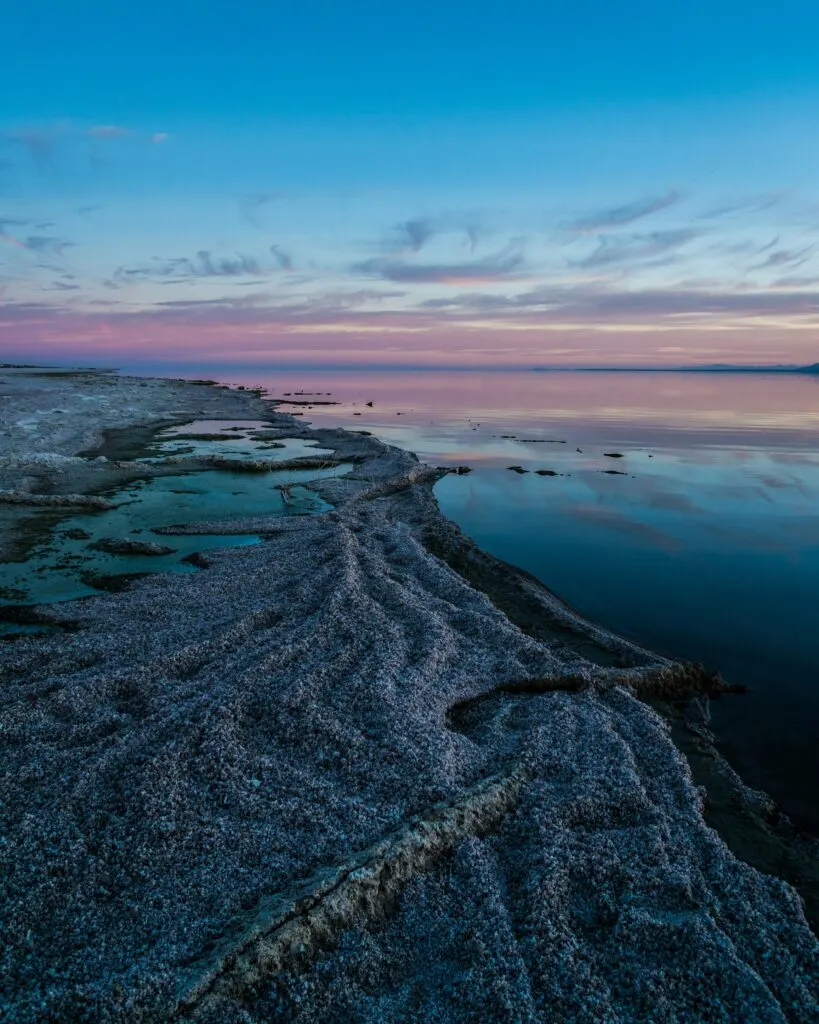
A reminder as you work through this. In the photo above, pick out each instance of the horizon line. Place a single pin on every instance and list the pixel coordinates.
(196, 366)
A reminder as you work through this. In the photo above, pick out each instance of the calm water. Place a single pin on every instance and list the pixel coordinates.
(704, 544)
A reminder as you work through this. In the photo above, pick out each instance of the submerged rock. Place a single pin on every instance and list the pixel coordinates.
(77, 534)
(127, 546)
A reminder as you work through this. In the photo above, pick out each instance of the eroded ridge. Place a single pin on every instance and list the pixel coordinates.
(290, 929)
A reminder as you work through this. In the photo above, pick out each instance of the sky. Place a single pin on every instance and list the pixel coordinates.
(427, 184)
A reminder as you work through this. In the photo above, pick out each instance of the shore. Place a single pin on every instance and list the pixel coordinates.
(358, 771)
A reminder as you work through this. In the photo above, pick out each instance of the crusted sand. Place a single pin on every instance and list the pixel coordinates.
(294, 786)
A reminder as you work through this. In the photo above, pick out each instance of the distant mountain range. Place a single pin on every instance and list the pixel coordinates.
(713, 368)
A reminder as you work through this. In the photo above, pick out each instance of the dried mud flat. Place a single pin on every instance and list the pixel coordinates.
(326, 778)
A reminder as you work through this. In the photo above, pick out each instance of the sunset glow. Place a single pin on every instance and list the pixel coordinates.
(480, 198)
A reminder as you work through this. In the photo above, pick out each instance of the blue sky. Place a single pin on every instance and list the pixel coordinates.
(480, 183)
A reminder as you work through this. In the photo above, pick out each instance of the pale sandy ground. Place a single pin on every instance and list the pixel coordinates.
(294, 785)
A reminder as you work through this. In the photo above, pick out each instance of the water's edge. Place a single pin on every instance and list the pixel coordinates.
(748, 822)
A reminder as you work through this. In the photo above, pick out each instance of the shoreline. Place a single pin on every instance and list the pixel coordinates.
(373, 580)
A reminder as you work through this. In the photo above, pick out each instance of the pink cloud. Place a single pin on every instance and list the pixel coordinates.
(251, 334)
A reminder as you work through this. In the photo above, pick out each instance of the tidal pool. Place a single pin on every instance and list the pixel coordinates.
(61, 562)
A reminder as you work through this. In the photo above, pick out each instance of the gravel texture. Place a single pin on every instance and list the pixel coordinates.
(325, 779)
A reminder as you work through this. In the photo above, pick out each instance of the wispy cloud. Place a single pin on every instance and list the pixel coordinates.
(41, 245)
(786, 258)
(746, 247)
(41, 142)
(796, 282)
(585, 317)
(596, 305)
(61, 286)
(619, 216)
(204, 264)
(749, 204)
(630, 249)
(15, 222)
(48, 245)
(495, 267)
(410, 236)
(252, 207)
(283, 259)
(11, 239)
(413, 234)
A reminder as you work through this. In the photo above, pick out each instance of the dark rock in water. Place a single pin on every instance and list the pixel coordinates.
(613, 472)
(126, 546)
(196, 558)
(309, 402)
(369, 403)
(112, 583)
(461, 470)
(613, 455)
(547, 472)
(517, 469)
(77, 534)
(202, 437)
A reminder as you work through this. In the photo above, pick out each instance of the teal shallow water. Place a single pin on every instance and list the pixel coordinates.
(62, 565)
